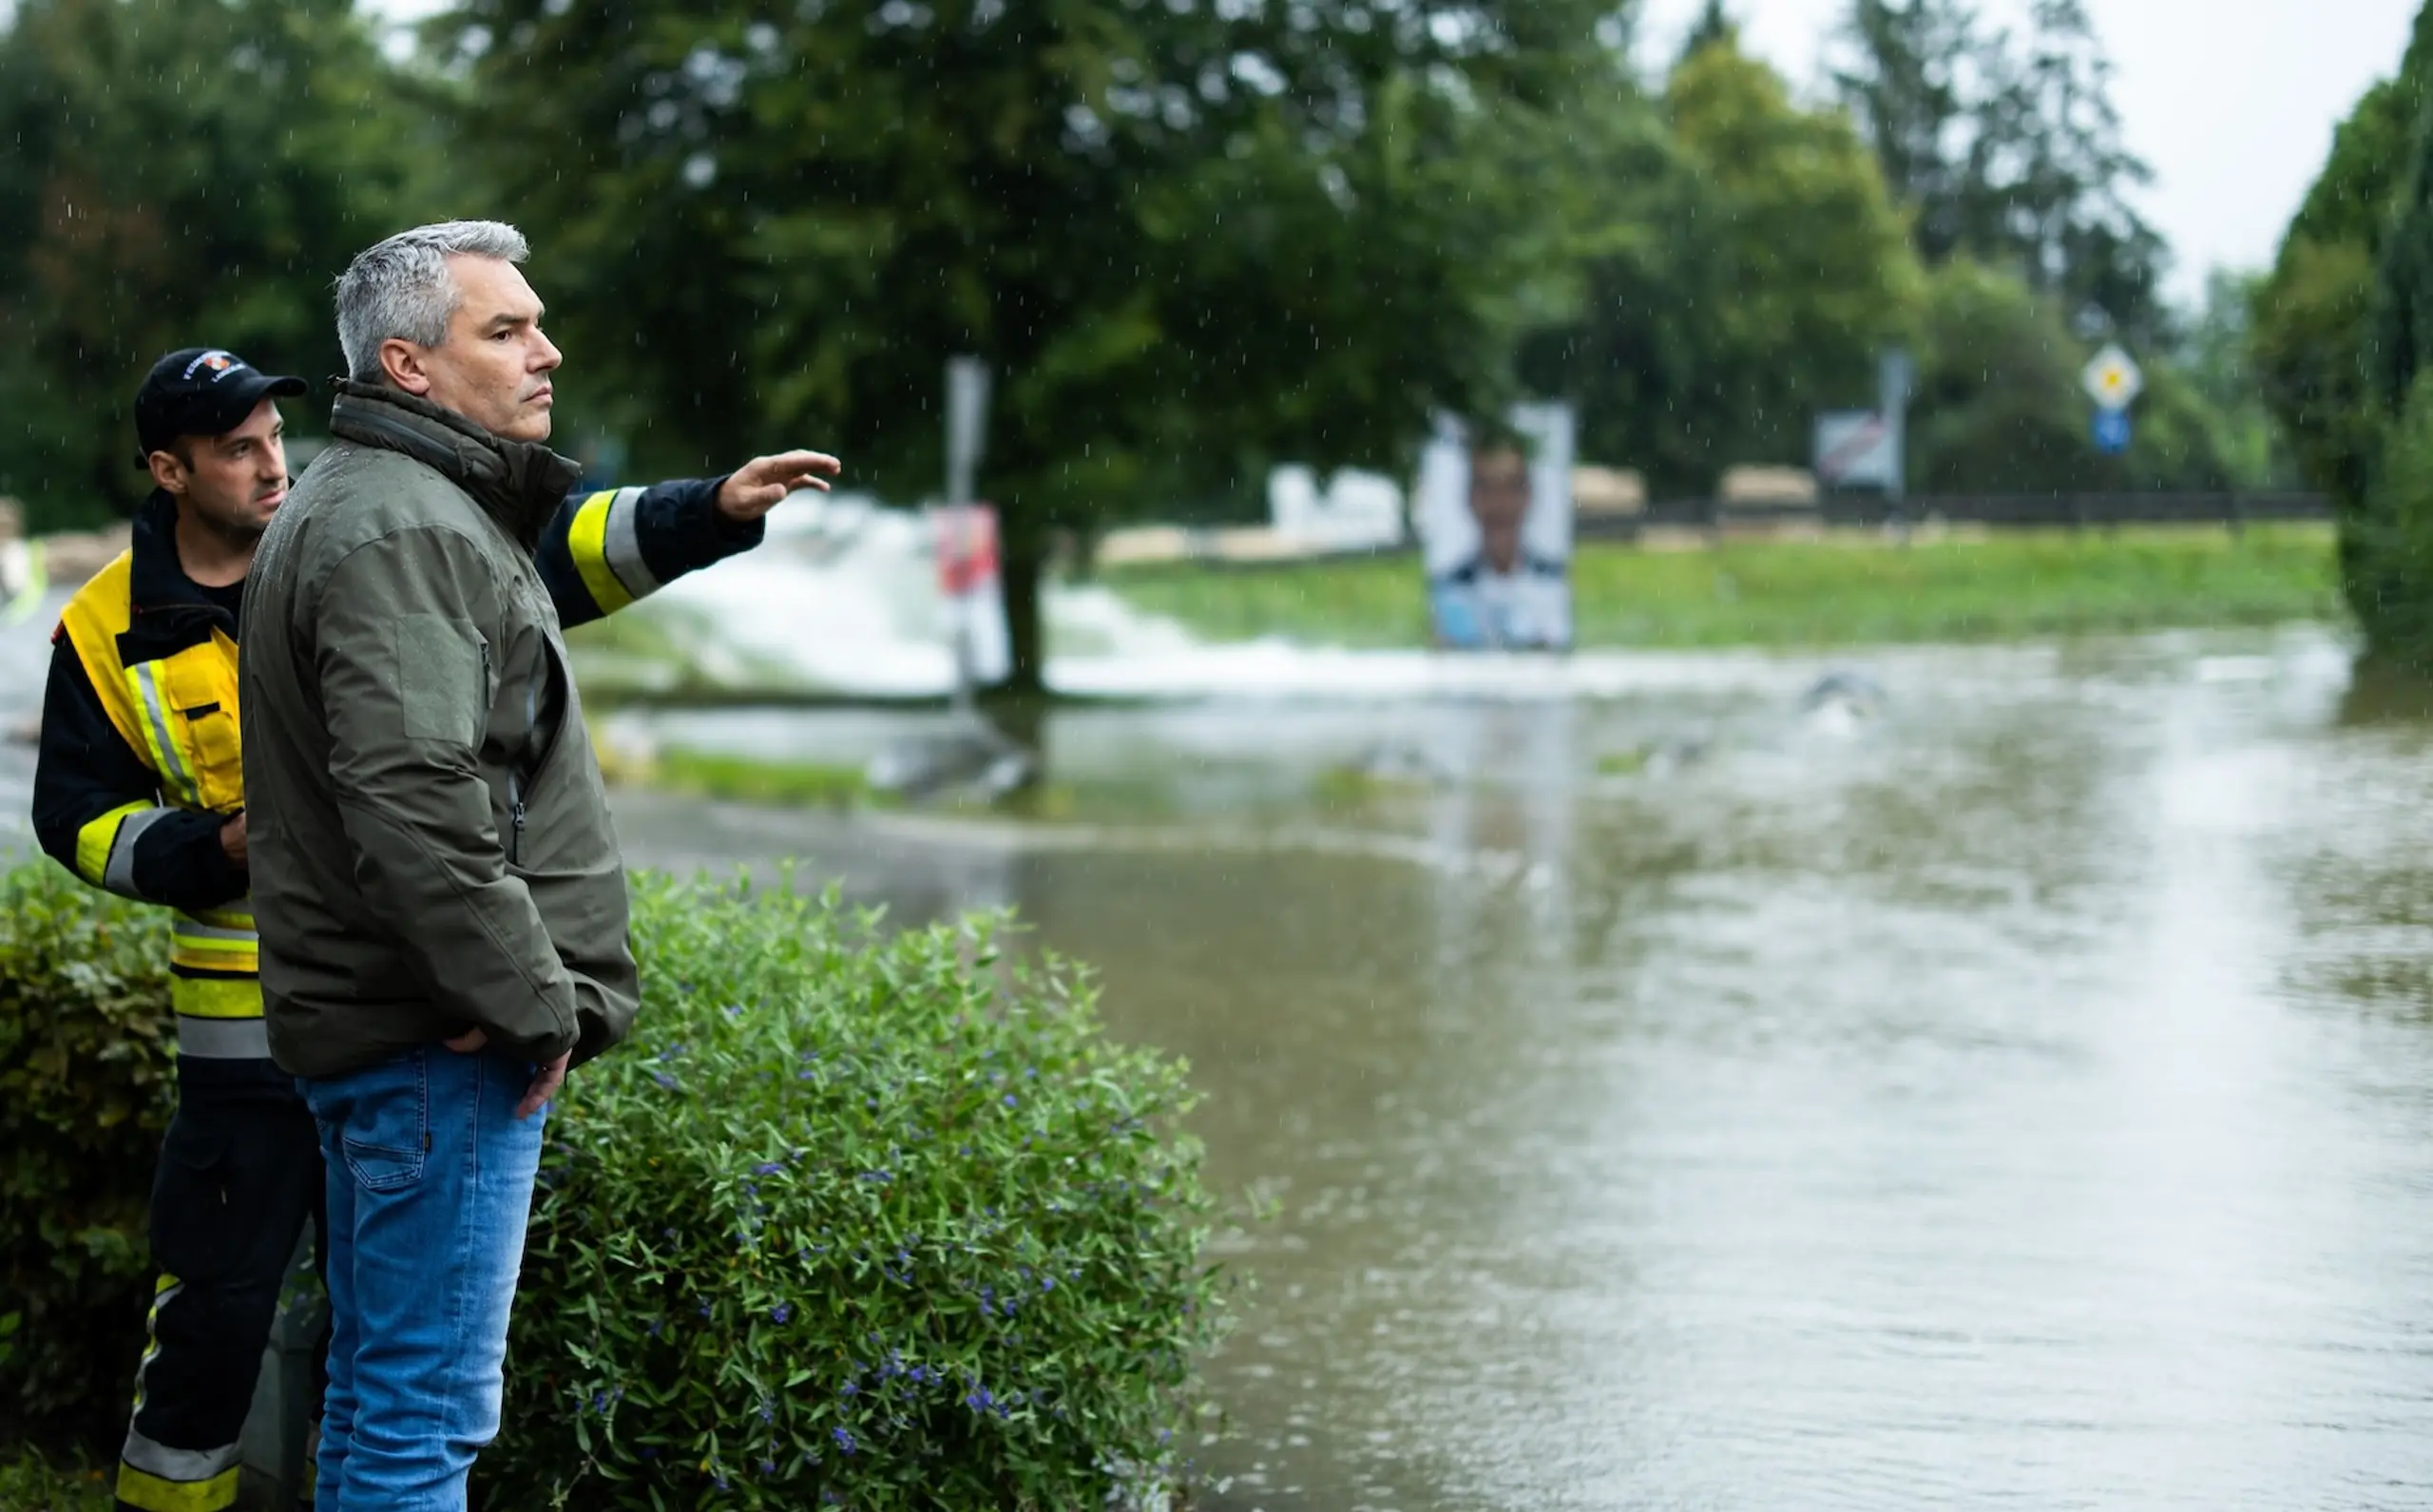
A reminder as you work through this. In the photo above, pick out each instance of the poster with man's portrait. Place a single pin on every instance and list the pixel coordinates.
(1494, 515)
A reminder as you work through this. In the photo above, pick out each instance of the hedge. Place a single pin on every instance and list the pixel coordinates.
(860, 1218)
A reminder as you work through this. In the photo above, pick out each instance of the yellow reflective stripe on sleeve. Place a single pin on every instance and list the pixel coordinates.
(139, 1489)
(587, 542)
(93, 842)
(217, 997)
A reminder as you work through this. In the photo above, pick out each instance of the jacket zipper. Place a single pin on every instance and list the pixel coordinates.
(520, 776)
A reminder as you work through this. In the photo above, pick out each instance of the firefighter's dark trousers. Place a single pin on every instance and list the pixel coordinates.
(240, 1175)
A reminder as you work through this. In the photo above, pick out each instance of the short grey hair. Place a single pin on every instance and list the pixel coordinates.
(401, 288)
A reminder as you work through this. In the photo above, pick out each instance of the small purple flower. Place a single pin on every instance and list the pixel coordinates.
(768, 1467)
(844, 1441)
(663, 1079)
(767, 1168)
(1009, 1099)
(781, 1311)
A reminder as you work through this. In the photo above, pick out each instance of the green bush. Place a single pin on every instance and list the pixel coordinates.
(876, 1219)
(867, 1219)
(29, 1482)
(86, 1087)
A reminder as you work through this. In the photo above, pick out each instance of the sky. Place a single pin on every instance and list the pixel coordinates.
(2230, 102)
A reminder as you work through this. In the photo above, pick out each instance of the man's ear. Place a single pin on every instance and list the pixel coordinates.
(402, 361)
(168, 474)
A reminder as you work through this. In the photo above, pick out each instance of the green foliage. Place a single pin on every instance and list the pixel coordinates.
(881, 1219)
(2215, 357)
(29, 1482)
(2387, 540)
(1999, 409)
(1742, 265)
(795, 784)
(896, 1185)
(1185, 237)
(2007, 150)
(1792, 593)
(2341, 333)
(87, 1080)
(181, 173)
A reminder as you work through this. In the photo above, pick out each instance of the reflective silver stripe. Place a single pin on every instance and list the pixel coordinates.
(119, 876)
(224, 1039)
(187, 924)
(176, 1464)
(148, 684)
(622, 549)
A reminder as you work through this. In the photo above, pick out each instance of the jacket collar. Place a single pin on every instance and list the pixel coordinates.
(520, 483)
(156, 579)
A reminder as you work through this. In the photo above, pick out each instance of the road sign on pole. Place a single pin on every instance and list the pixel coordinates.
(1895, 375)
(2112, 431)
(2112, 379)
(1857, 449)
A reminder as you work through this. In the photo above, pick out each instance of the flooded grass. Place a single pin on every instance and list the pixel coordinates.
(1806, 593)
(747, 780)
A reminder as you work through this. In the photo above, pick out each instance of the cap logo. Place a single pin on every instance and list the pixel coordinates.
(221, 363)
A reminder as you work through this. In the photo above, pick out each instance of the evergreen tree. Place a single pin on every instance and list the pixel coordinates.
(2339, 337)
(1910, 90)
(1714, 25)
(2009, 152)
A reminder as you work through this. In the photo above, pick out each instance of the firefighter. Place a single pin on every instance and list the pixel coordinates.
(139, 790)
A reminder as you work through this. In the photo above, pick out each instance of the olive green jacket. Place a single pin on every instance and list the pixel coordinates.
(429, 838)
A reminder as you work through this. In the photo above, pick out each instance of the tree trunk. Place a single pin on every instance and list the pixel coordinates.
(1023, 573)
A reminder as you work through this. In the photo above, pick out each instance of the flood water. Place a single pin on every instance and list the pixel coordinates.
(2021, 1096)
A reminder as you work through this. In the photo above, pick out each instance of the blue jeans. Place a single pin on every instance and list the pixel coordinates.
(429, 1178)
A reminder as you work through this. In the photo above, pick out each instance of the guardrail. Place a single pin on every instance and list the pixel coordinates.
(2021, 510)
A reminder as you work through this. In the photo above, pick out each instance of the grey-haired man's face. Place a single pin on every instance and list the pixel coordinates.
(493, 367)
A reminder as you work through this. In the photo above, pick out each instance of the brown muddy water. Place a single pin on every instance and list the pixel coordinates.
(2019, 1096)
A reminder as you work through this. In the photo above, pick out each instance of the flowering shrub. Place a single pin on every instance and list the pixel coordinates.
(864, 1220)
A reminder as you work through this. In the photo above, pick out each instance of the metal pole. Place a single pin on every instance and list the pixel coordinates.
(967, 429)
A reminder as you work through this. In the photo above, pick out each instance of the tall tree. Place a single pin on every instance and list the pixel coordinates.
(2326, 374)
(1182, 234)
(180, 173)
(1909, 86)
(1743, 265)
(1714, 25)
(2009, 151)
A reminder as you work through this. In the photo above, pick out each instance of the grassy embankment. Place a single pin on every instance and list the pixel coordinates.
(1802, 593)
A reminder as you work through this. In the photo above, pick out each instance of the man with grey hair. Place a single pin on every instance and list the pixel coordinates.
(438, 886)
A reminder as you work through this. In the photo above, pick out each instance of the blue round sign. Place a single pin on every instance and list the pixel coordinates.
(2112, 431)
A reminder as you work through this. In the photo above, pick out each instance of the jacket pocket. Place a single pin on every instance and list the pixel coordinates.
(386, 1133)
(198, 1229)
(201, 685)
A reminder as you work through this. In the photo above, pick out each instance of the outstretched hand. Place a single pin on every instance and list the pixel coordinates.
(754, 488)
